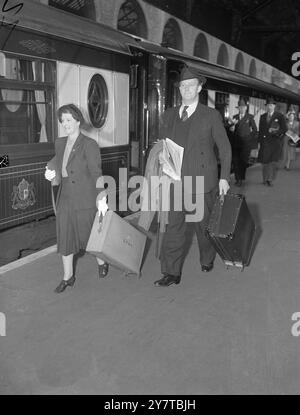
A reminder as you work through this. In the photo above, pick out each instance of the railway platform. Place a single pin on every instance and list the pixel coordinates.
(224, 332)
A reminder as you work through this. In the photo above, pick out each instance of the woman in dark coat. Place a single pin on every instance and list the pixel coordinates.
(76, 167)
(272, 128)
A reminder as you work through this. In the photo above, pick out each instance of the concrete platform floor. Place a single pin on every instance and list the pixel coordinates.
(226, 332)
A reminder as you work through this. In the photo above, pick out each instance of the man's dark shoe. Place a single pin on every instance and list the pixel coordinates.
(269, 183)
(207, 268)
(167, 280)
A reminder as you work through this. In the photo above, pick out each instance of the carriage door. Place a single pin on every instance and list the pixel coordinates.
(138, 113)
(156, 96)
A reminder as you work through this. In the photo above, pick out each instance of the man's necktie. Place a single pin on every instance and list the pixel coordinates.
(184, 115)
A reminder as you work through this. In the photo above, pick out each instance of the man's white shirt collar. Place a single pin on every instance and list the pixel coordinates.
(190, 110)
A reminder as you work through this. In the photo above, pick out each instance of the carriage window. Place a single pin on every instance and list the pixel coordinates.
(26, 100)
(84, 8)
(97, 101)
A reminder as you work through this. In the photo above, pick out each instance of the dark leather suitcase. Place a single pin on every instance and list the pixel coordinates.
(231, 230)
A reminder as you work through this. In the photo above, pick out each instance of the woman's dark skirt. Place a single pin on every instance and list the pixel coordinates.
(73, 226)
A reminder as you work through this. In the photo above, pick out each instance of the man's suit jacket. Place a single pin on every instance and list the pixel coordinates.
(245, 132)
(271, 142)
(83, 168)
(206, 132)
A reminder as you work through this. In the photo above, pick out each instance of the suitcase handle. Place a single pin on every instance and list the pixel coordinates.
(101, 217)
(222, 198)
(53, 200)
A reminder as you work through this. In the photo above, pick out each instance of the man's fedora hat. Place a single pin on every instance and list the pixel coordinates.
(271, 100)
(189, 72)
(242, 103)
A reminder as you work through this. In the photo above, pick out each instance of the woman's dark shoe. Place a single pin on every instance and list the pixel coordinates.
(103, 270)
(64, 284)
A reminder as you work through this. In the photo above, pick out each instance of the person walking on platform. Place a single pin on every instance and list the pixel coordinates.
(290, 139)
(272, 127)
(197, 129)
(244, 138)
(76, 167)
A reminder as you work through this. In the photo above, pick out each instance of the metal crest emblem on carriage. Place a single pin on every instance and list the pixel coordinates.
(23, 195)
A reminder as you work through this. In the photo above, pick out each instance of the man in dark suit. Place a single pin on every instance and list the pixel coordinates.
(272, 127)
(243, 140)
(198, 129)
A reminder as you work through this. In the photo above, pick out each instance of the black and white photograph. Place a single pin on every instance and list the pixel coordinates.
(149, 200)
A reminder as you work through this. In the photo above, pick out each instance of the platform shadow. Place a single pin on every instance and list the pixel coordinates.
(256, 215)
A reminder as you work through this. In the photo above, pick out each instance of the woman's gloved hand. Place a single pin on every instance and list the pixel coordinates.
(102, 206)
(49, 174)
(223, 186)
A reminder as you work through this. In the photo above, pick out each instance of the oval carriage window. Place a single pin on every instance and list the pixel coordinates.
(97, 101)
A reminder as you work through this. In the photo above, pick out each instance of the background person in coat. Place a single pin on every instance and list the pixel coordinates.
(272, 127)
(76, 167)
(244, 138)
(289, 146)
(198, 129)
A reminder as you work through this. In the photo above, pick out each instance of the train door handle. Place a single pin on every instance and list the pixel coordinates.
(146, 131)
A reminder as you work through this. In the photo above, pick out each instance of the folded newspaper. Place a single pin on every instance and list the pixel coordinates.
(293, 136)
(171, 159)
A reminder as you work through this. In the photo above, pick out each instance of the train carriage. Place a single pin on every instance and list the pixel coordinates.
(122, 84)
(46, 61)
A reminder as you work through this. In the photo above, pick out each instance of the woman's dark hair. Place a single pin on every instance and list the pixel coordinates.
(70, 109)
